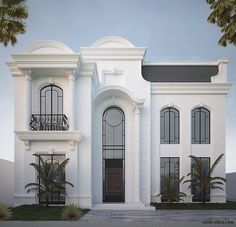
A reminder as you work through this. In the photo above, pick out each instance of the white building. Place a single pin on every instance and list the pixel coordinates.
(123, 123)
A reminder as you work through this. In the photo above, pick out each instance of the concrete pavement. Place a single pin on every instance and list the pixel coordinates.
(160, 218)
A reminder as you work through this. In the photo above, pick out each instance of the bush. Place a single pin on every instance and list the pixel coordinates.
(5, 212)
(71, 212)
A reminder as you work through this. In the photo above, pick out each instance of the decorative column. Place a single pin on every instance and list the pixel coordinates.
(137, 112)
(28, 107)
(72, 78)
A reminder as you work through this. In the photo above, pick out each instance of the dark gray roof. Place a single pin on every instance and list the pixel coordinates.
(179, 73)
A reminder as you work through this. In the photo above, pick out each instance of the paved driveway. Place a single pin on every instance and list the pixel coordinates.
(160, 218)
(204, 216)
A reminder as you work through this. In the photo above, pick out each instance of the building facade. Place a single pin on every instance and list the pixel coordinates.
(124, 124)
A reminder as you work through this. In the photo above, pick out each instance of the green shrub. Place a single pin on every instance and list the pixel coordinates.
(5, 212)
(71, 212)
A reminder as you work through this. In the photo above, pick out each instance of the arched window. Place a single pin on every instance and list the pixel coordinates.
(113, 146)
(200, 126)
(51, 100)
(51, 117)
(169, 126)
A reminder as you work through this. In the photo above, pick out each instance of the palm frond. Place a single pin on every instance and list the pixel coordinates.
(218, 178)
(36, 166)
(32, 184)
(217, 187)
(32, 190)
(216, 182)
(64, 163)
(12, 20)
(215, 163)
(67, 182)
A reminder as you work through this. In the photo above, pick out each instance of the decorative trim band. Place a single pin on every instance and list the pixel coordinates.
(49, 135)
(190, 88)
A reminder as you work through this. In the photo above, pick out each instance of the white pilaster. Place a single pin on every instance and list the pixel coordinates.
(28, 107)
(72, 78)
(137, 113)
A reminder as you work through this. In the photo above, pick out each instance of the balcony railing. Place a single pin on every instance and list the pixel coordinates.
(49, 122)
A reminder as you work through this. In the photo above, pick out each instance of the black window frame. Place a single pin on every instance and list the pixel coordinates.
(43, 96)
(60, 196)
(107, 145)
(170, 160)
(197, 197)
(165, 137)
(197, 123)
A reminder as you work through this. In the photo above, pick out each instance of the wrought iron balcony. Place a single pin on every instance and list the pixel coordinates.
(49, 122)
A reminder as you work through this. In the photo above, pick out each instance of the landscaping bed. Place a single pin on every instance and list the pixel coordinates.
(39, 213)
(195, 206)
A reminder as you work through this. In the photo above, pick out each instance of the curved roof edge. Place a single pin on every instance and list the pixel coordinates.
(48, 47)
(112, 41)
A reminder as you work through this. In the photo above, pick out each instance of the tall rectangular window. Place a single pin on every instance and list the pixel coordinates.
(48, 160)
(200, 178)
(169, 171)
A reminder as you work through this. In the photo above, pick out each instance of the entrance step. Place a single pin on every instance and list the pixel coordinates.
(122, 206)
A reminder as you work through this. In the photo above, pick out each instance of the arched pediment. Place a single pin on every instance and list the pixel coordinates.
(112, 41)
(116, 91)
(48, 47)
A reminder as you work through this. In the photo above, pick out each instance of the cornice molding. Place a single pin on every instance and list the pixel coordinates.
(218, 62)
(190, 88)
(30, 61)
(112, 53)
(50, 135)
(14, 70)
(87, 69)
(38, 136)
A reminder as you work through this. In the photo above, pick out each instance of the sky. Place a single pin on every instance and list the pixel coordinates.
(171, 30)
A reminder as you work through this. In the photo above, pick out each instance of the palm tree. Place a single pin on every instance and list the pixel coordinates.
(224, 15)
(171, 192)
(51, 176)
(12, 20)
(202, 179)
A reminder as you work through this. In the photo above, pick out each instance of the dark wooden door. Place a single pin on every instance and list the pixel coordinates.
(114, 181)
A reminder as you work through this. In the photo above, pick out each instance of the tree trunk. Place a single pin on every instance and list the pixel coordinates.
(47, 202)
(204, 195)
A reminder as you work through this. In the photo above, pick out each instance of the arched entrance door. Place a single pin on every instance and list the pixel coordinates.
(113, 145)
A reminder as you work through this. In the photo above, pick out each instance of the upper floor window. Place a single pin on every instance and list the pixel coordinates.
(51, 100)
(169, 126)
(51, 117)
(200, 126)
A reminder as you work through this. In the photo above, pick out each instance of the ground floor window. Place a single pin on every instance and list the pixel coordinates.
(48, 161)
(201, 178)
(169, 172)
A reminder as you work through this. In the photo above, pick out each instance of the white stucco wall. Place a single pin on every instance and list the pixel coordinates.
(185, 104)
(7, 182)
